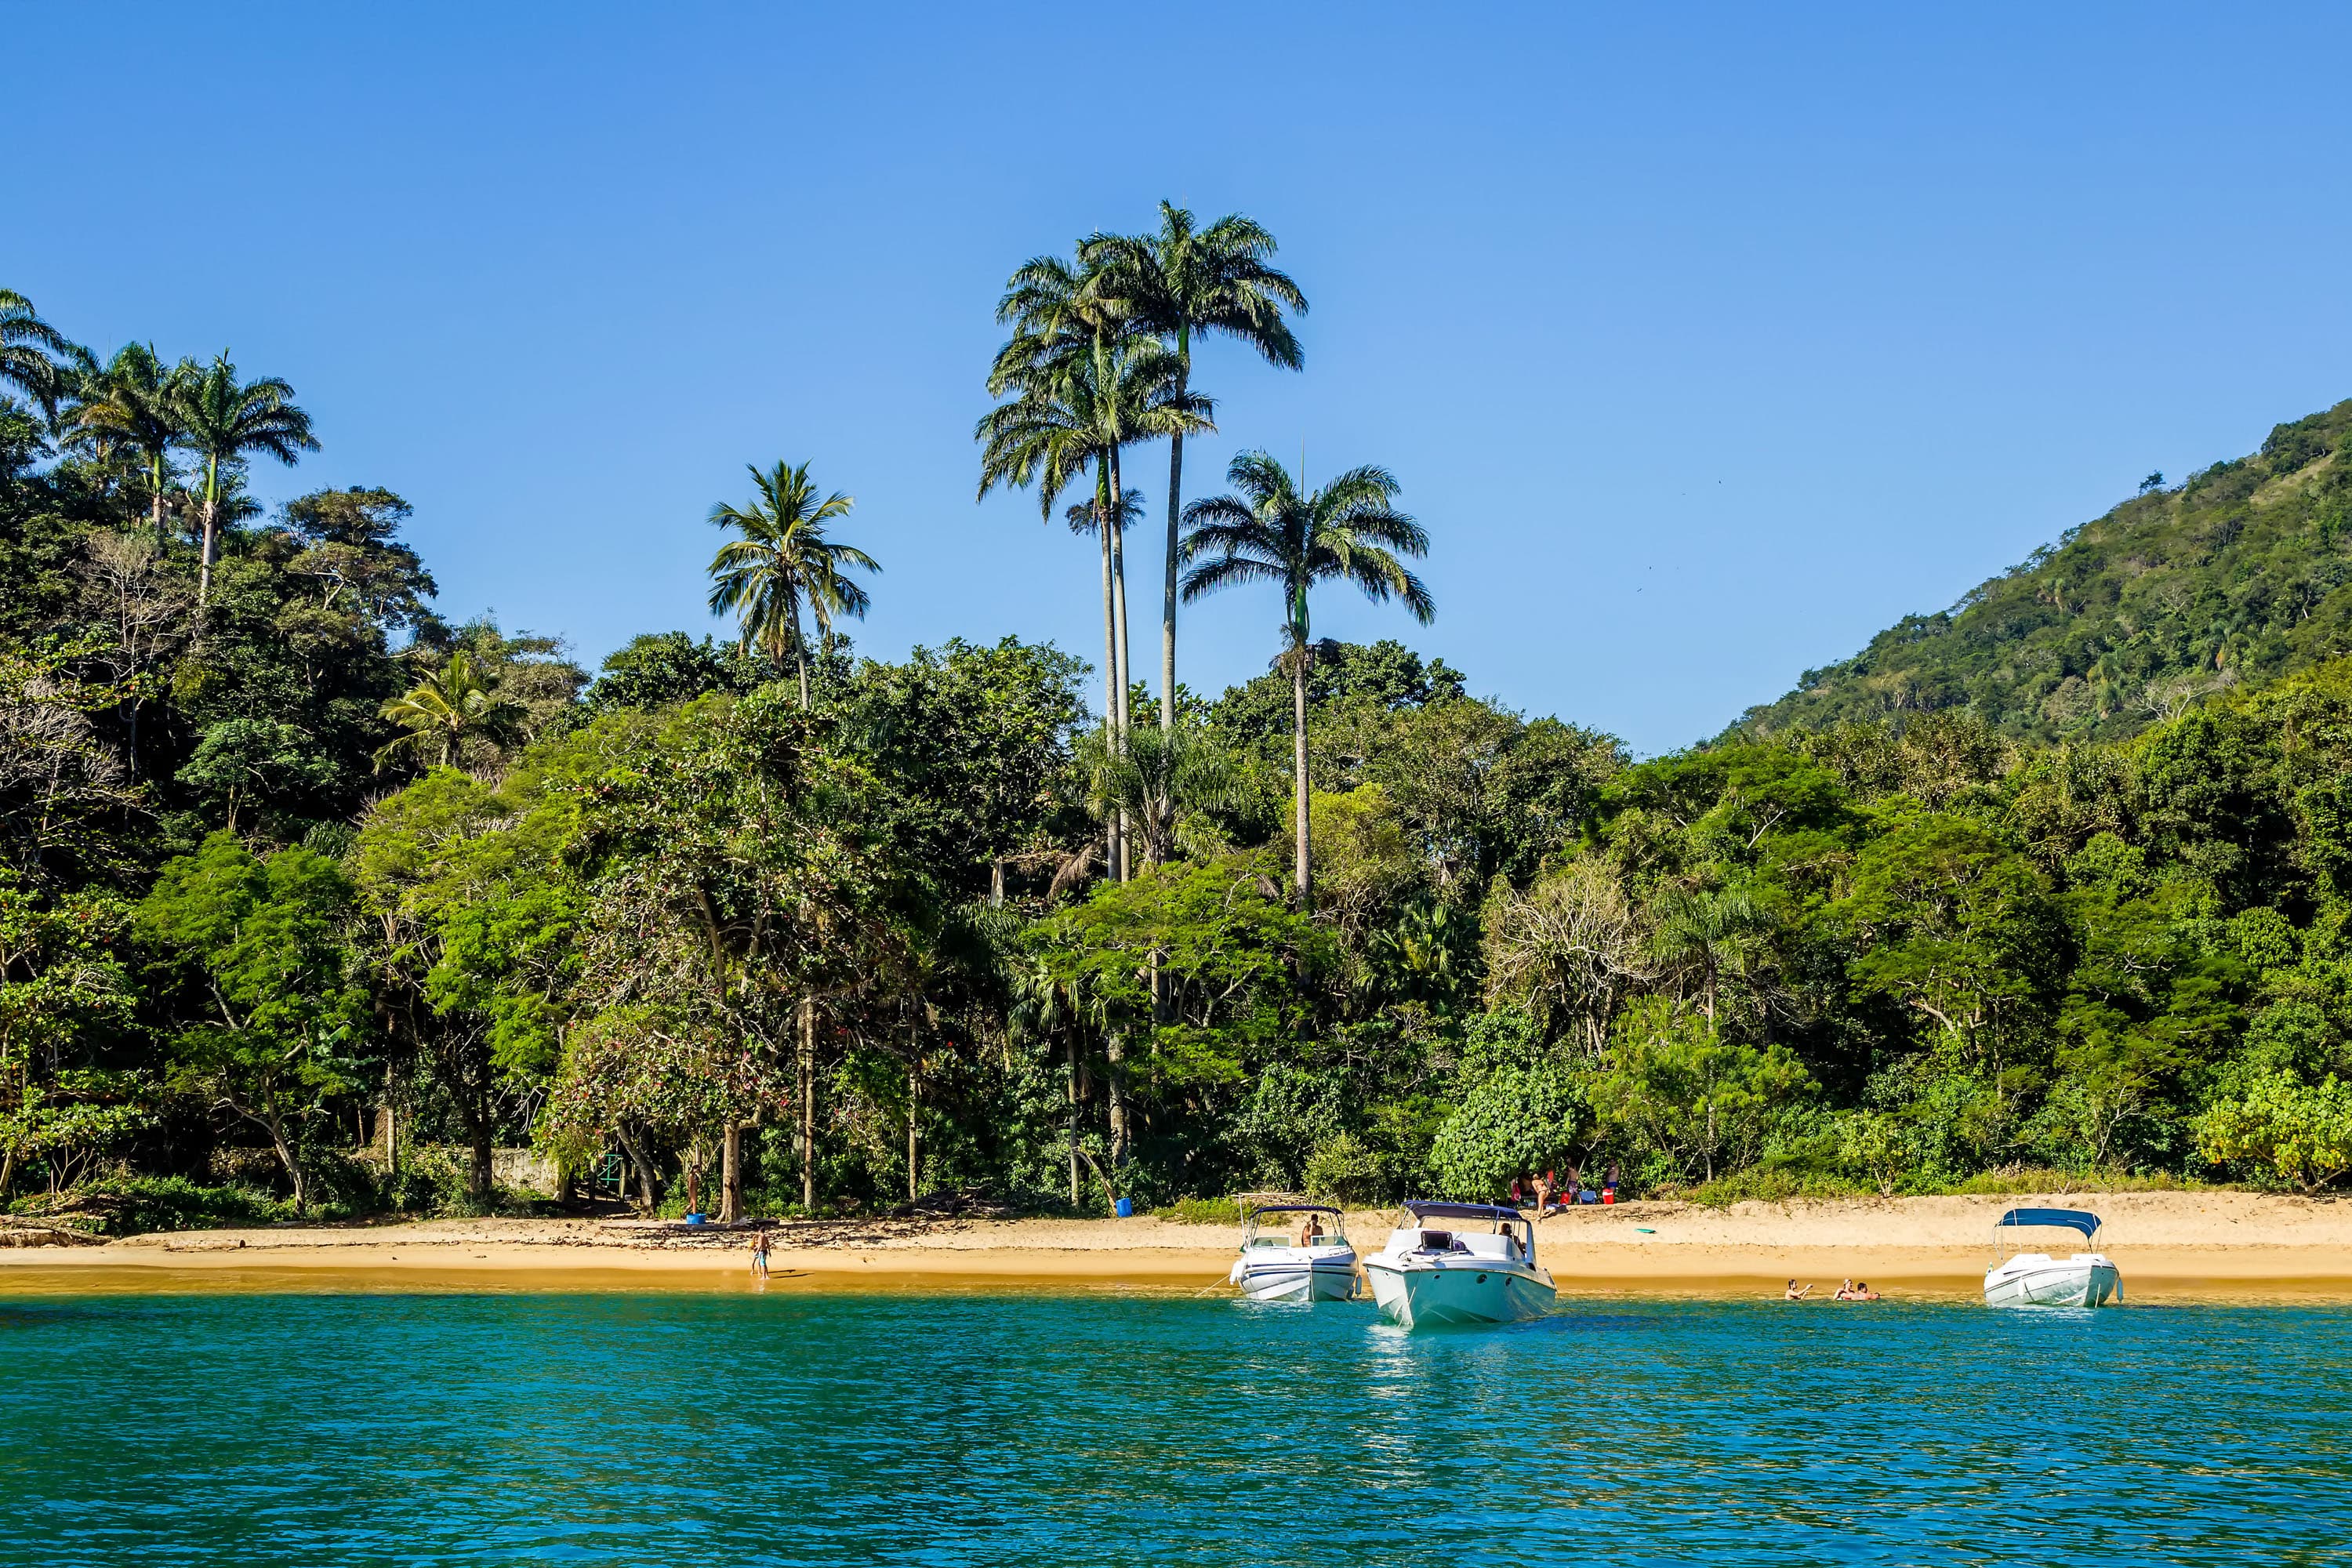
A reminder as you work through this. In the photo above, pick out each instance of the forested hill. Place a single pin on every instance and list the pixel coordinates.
(2241, 575)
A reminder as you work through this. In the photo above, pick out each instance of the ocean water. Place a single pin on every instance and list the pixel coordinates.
(1158, 1429)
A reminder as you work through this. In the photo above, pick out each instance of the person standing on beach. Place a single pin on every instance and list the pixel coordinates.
(760, 1253)
(1543, 1193)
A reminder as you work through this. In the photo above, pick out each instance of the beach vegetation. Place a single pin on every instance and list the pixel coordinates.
(312, 900)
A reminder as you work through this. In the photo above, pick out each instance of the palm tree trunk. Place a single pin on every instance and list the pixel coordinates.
(1126, 679)
(1298, 766)
(212, 508)
(1175, 543)
(155, 504)
(1114, 841)
(808, 1104)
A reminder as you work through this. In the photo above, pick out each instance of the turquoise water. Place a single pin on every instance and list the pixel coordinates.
(314, 1429)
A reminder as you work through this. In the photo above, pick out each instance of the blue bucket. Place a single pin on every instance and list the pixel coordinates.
(1124, 1209)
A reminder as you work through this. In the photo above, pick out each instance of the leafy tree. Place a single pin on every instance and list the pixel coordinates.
(1511, 1122)
(255, 758)
(65, 996)
(264, 942)
(664, 669)
(2301, 1133)
(1566, 951)
(1674, 1086)
(1270, 532)
(350, 551)
(61, 787)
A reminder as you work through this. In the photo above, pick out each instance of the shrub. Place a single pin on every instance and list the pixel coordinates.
(1344, 1170)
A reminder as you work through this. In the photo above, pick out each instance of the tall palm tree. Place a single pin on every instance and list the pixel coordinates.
(441, 712)
(223, 419)
(1178, 282)
(782, 561)
(30, 349)
(133, 400)
(1270, 532)
(1078, 399)
(1070, 322)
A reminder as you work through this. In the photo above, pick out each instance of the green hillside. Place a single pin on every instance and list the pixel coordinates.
(2242, 574)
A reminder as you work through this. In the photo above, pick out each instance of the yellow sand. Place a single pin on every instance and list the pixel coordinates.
(2169, 1245)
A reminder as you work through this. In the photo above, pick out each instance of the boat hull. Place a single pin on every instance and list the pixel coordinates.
(1325, 1277)
(2053, 1282)
(1433, 1294)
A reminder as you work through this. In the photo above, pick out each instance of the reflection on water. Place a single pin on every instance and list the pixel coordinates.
(1156, 1427)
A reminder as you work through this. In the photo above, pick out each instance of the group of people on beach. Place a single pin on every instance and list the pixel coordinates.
(1551, 1192)
(1848, 1290)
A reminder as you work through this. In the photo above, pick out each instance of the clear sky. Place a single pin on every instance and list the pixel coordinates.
(1705, 341)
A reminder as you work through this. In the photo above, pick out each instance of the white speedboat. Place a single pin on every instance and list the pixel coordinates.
(1294, 1252)
(1481, 1269)
(2038, 1279)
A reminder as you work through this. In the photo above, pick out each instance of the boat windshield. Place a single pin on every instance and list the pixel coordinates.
(1293, 1225)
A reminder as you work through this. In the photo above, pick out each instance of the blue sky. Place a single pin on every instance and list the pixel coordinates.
(1705, 341)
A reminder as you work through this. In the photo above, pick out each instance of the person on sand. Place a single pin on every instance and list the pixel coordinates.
(760, 1254)
(1543, 1193)
(1793, 1294)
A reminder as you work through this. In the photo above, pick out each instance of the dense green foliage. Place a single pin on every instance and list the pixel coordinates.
(311, 901)
(2239, 576)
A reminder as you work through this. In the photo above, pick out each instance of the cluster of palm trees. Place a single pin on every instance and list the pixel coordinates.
(1100, 359)
(137, 406)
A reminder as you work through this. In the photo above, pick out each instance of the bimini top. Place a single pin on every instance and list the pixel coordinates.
(1292, 1208)
(1421, 1209)
(2070, 1219)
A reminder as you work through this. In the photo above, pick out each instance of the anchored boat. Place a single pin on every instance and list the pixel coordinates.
(1312, 1262)
(1460, 1264)
(2038, 1279)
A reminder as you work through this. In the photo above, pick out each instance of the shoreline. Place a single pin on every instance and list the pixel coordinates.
(2170, 1245)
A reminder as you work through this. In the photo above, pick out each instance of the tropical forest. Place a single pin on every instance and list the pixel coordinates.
(318, 901)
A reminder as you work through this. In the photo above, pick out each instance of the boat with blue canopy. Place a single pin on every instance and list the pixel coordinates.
(2043, 1279)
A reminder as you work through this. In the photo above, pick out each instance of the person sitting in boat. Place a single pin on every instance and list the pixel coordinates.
(1310, 1234)
(1793, 1294)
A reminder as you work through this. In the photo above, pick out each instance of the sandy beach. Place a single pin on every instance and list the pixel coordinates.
(2169, 1245)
